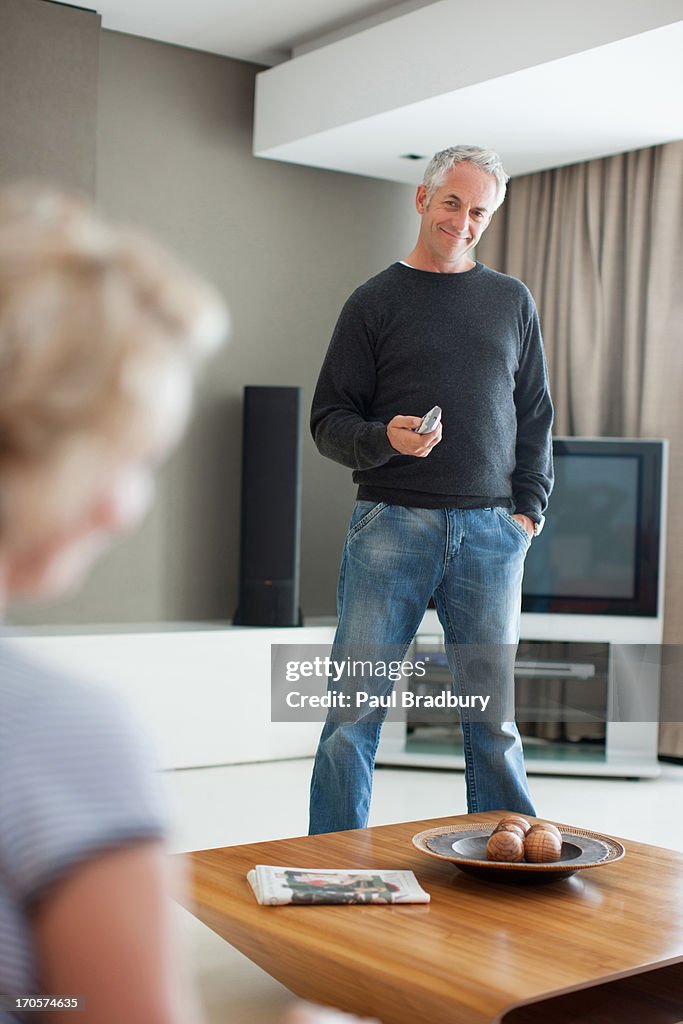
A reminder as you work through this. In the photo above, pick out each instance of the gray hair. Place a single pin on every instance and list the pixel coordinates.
(446, 159)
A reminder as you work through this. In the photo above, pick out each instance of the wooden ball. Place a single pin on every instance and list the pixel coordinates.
(515, 819)
(547, 826)
(509, 826)
(505, 846)
(542, 846)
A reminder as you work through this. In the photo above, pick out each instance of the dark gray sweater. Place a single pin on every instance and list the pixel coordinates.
(410, 339)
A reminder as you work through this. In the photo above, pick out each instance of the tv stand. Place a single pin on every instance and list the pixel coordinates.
(554, 669)
(607, 688)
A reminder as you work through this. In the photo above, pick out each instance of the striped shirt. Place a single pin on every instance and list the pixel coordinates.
(76, 779)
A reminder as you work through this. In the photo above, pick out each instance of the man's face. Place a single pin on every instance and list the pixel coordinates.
(457, 213)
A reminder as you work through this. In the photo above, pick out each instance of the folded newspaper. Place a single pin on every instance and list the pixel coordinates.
(275, 886)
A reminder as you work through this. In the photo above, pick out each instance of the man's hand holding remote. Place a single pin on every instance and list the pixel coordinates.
(404, 440)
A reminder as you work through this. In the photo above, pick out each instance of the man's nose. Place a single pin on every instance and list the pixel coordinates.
(460, 220)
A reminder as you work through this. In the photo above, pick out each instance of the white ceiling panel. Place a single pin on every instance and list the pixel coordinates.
(577, 108)
(352, 85)
(581, 83)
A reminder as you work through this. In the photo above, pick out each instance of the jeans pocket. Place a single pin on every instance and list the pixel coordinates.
(516, 526)
(363, 514)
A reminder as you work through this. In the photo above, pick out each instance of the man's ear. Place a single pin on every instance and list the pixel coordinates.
(421, 199)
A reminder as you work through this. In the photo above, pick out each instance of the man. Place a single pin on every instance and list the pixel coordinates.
(448, 514)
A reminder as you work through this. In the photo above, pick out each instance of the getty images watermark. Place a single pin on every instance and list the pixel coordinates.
(589, 685)
(361, 681)
(362, 671)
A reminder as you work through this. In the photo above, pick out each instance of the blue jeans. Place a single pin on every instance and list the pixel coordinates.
(395, 559)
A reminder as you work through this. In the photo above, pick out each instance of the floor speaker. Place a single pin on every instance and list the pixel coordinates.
(270, 535)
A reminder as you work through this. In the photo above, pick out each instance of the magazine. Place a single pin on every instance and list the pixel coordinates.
(275, 886)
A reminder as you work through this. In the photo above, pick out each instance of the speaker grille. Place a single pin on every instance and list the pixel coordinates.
(271, 507)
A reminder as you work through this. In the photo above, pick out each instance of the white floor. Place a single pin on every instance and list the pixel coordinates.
(251, 803)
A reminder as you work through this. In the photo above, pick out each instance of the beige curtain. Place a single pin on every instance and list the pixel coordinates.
(600, 246)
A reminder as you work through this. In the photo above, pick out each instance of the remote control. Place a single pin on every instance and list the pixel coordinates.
(429, 421)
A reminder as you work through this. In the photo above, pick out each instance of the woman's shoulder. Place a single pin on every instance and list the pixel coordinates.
(78, 774)
(40, 703)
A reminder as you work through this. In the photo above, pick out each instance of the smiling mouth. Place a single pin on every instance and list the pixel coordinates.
(458, 238)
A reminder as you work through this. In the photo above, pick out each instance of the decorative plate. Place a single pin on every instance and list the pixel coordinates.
(465, 846)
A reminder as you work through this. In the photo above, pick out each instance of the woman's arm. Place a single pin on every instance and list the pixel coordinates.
(105, 934)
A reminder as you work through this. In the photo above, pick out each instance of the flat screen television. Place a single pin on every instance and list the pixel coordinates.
(599, 553)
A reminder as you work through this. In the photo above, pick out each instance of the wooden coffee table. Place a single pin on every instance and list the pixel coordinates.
(605, 945)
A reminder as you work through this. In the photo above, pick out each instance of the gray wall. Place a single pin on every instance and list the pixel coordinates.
(48, 92)
(286, 245)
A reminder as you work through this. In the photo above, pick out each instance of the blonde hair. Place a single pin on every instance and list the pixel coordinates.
(88, 313)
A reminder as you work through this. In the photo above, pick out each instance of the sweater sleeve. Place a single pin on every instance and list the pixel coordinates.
(342, 424)
(532, 479)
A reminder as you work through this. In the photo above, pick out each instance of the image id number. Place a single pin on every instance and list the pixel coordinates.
(44, 1002)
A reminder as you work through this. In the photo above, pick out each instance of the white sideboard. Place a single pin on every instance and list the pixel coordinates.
(202, 692)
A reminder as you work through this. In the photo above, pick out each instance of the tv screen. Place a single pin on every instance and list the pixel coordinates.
(599, 550)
